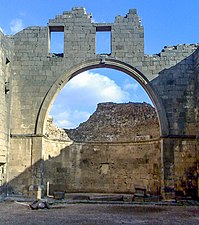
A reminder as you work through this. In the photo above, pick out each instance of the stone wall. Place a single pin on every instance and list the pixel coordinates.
(31, 50)
(111, 166)
(106, 168)
(186, 160)
(5, 101)
(117, 149)
(177, 88)
(36, 69)
(197, 109)
(196, 66)
(5, 73)
(170, 78)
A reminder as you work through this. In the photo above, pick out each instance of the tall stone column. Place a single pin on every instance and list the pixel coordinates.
(168, 192)
(37, 167)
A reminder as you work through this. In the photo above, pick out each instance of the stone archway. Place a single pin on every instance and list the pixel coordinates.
(36, 76)
(102, 62)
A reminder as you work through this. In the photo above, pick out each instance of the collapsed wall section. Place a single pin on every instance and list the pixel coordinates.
(118, 122)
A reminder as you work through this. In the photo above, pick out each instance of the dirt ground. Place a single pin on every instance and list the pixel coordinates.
(12, 213)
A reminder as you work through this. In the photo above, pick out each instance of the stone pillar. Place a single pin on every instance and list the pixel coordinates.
(168, 192)
(37, 166)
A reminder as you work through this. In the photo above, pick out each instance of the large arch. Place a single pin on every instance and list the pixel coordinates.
(38, 80)
(102, 62)
(167, 160)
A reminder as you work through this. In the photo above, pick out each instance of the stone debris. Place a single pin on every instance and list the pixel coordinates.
(39, 204)
(54, 132)
(112, 122)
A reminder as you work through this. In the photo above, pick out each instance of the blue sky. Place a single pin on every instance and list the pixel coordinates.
(166, 22)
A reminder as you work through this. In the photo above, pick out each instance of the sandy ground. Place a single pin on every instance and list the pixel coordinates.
(12, 213)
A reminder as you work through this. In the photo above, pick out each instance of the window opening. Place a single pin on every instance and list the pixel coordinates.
(7, 77)
(103, 40)
(56, 41)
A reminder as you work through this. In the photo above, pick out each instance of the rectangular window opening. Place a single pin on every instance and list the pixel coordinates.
(56, 41)
(7, 76)
(103, 40)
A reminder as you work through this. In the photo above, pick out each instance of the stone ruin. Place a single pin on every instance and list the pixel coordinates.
(116, 150)
(31, 76)
(118, 123)
(96, 158)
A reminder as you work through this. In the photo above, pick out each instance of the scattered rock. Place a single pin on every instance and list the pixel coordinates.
(39, 204)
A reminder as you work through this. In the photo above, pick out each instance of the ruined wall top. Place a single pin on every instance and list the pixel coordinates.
(126, 43)
(69, 16)
(196, 60)
(80, 12)
(127, 34)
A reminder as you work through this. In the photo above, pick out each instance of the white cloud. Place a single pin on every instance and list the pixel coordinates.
(95, 88)
(70, 118)
(83, 92)
(131, 86)
(16, 25)
(79, 98)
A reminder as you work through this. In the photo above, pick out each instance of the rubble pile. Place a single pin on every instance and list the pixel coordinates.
(118, 122)
(53, 132)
